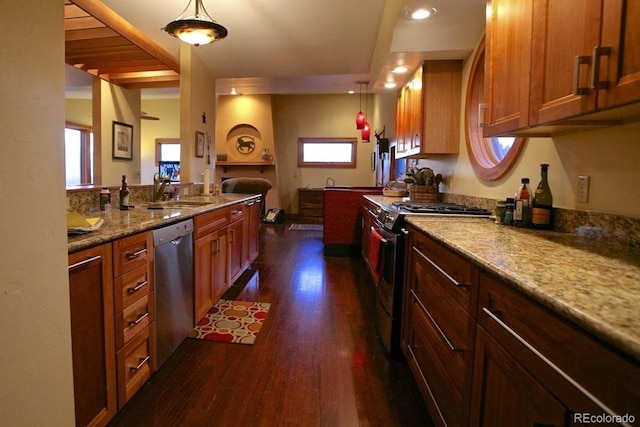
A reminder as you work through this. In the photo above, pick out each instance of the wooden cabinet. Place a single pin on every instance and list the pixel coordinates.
(134, 313)
(507, 65)
(597, 65)
(534, 368)
(538, 85)
(92, 335)
(210, 259)
(310, 205)
(427, 116)
(252, 231)
(439, 326)
(235, 241)
(485, 354)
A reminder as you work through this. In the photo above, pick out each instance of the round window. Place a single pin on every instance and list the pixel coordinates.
(490, 158)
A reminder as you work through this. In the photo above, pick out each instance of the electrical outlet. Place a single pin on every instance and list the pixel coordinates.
(582, 195)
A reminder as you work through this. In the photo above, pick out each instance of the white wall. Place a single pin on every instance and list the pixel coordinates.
(36, 387)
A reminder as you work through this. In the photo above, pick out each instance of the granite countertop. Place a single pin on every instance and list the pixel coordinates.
(118, 224)
(592, 283)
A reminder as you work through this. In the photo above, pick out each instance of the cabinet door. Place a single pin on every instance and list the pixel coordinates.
(92, 335)
(621, 32)
(253, 239)
(204, 271)
(235, 250)
(507, 69)
(505, 393)
(562, 50)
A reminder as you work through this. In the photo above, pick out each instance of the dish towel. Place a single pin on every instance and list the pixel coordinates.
(375, 254)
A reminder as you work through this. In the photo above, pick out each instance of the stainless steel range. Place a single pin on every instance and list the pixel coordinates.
(390, 225)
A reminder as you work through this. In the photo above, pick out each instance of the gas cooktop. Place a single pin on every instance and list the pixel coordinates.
(413, 208)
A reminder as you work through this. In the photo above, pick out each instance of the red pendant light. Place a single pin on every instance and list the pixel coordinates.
(366, 132)
(360, 118)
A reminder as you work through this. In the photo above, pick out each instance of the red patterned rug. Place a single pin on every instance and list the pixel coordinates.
(232, 321)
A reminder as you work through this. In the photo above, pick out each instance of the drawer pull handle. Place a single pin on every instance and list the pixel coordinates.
(413, 355)
(433, 322)
(139, 319)
(140, 365)
(84, 262)
(137, 288)
(440, 270)
(218, 246)
(136, 254)
(236, 212)
(549, 363)
(577, 89)
(598, 52)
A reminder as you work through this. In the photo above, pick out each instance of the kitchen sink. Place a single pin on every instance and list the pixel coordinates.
(177, 204)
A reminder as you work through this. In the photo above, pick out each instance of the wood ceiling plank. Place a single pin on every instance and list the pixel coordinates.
(108, 17)
(88, 34)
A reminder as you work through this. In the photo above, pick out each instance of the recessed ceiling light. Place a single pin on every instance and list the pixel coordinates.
(423, 13)
(351, 92)
(389, 85)
(400, 69)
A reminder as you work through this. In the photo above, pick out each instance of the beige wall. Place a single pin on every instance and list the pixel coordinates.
(168, 111)
(610, 156)
(197, 97)
(36, 387)
(310, 116)
(114, 103)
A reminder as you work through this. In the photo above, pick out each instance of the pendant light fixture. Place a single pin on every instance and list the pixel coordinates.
(196, 29)
(366, 129)
(360, 118)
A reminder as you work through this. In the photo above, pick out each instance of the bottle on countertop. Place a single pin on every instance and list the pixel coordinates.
(542, 203)
(522, 210)
(105, 198)
(124, 194)
(508, 211)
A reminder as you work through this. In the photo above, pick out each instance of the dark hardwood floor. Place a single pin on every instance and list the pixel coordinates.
(316, 362)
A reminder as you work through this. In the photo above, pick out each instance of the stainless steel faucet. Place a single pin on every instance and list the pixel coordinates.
(159, 184)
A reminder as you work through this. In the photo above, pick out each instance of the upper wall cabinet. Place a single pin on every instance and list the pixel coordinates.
(428, 111)
(554, 66)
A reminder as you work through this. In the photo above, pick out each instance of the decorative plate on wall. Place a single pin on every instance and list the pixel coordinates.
(245, 144)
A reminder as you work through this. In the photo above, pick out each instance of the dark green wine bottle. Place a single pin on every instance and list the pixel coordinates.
(542, 204)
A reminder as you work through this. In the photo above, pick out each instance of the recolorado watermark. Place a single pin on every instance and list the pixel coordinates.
(589, 418)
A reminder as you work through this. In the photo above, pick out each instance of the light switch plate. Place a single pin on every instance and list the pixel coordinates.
(582, 194)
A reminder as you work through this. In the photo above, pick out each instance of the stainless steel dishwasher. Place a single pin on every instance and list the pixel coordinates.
(173, 281)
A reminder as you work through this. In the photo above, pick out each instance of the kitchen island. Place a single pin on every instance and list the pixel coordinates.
(118, 224)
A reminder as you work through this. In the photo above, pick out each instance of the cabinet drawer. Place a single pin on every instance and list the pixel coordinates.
(457, 276)
(440, 392)
(131, 252)
(132, 286)
(237, 212)
(448, 316)
(136, 363)
(451, 341)
(134, 318)
(210, 221)
(577, 366)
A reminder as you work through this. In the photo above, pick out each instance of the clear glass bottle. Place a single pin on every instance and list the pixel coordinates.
(124, 194)
(542, 203)
(105, 198)
(522, 211)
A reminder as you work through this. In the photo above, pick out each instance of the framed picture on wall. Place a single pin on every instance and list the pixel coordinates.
(122, 136)
(199, 144)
